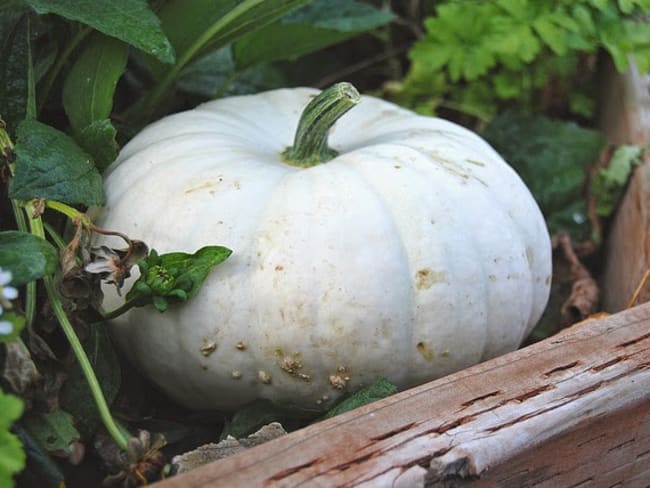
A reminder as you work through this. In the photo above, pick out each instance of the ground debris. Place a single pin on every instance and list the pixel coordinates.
(227, 447)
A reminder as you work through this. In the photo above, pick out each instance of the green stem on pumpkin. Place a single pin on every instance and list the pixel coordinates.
(36, 225)
(310, 144)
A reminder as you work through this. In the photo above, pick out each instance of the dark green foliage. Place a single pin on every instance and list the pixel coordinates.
(26, 256)
(552, 158)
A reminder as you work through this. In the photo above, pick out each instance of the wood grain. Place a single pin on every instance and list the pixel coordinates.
(573, 410)
(625, 119)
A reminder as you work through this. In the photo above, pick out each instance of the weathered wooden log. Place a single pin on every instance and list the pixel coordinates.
(571, 410)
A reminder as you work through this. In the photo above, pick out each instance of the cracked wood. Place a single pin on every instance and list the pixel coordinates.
(568, 411)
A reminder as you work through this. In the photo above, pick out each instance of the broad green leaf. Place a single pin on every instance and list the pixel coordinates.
(98, 140)
(12, 456)
(49, 164)
(75, 396)
(197, 27)
(215, 73)
(14, 70)
(27, 256)
(381, 388)
(551, 157)
(318, 24)
(174, 277)
(89, 87)
(54, 431)
(607, 185)
(129, 20)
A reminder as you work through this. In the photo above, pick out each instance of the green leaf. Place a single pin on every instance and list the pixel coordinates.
(12, 456)
(41, 470)
(54, 431)
(49, 164)
(14, 70)
(197, 27)
(607, 185)
(551, 157)
(98, 140)
(12, 325)
(215, 73)
(27, 256)
(75, 396)
(89, 87)
(174, 277)
(381, 388)
(129, 20)
(318, 24)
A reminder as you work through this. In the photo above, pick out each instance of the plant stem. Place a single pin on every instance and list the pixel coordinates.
(30, 288)
(163, 86)
(310, 144)
(69, 212)
(113, 429)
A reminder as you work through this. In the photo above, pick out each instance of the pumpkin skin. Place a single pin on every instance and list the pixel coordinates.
(414, 253)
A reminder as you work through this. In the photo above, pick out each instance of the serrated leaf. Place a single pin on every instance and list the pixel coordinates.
(54, 431)
(14, 70)
(551, 157)
(98, 140)
(607, 185)
(200, 26)
(132, 21)
(381, 388)
(76, 397)
(318, 24)
(89, 87)
(49, 164)
(552, 35)
(27, 256)
(12, 456)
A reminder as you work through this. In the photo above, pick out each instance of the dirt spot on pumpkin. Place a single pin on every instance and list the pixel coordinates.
(426, 278)
(425, 351)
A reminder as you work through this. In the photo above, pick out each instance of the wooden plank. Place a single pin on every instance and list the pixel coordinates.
(625, 119)
(573, 407)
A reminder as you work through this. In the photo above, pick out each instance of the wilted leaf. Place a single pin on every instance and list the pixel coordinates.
(19, 369)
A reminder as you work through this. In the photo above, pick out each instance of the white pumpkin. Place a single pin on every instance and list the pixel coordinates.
(415, 252)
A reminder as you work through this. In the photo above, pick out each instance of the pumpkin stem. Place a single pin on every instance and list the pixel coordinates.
(310, 144)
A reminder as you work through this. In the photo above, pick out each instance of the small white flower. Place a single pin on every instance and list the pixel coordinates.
(6, 328)
(6, 292)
